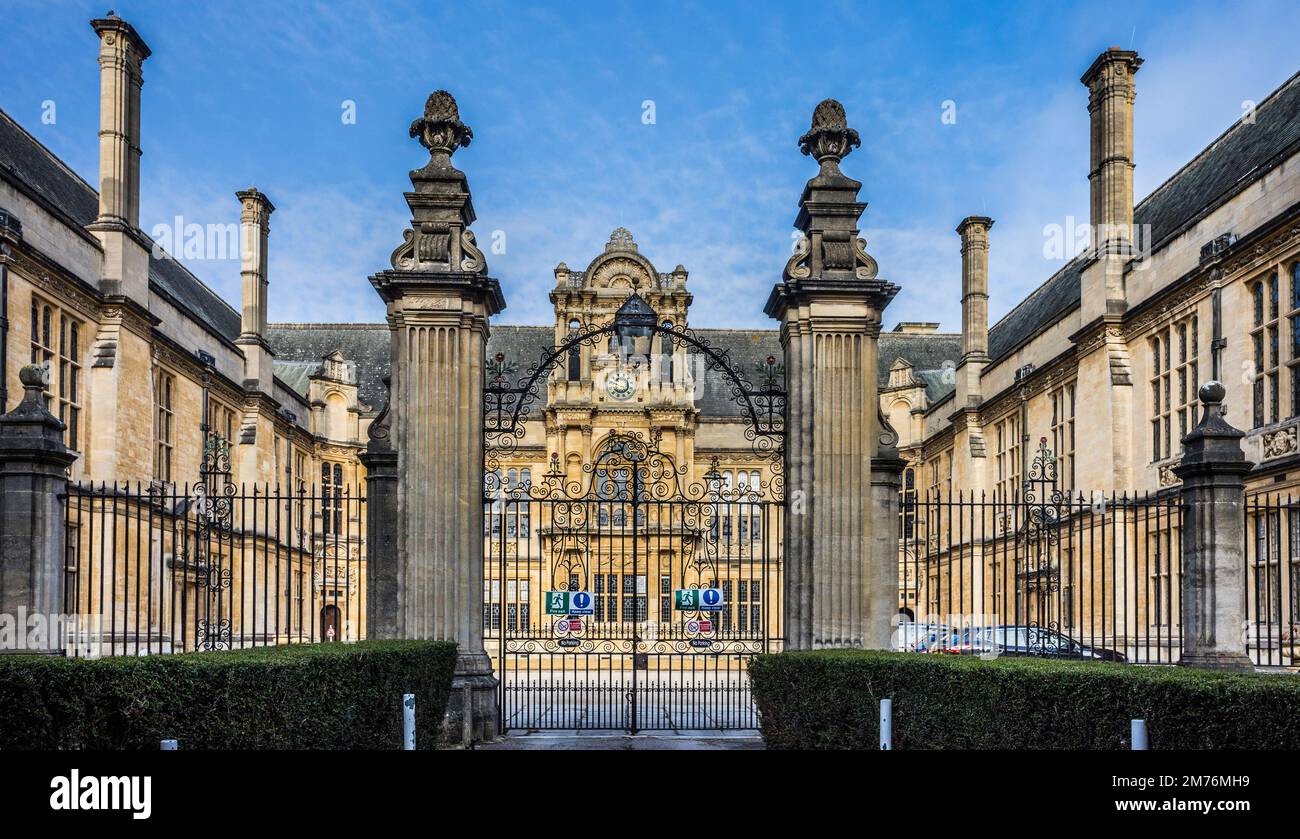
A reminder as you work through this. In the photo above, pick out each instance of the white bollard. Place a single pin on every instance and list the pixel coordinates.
(1138, 730)
(408, 722)
(886, 725)
(167, 745)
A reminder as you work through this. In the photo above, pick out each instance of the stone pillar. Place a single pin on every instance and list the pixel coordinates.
(841, 586)
(33, 460)
(1213, 471)
(380, 460)
(883, 601)
(439, 300)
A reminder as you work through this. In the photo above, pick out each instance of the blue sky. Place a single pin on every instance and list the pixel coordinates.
(252, 93)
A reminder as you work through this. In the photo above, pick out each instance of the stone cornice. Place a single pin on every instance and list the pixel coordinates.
(174, 356)
(55, 280)
(130, 314)
(1253, 252)
(111, 225)
(1058, 371)
(127, 31)
(874, 293)
(396, 285)
(265, 404)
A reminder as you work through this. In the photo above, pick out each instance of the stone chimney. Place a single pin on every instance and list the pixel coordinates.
(126, 250)
(1110, 170)
(974, 232)
(254, 231)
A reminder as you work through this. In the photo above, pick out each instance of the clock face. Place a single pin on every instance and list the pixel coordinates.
(619, 385)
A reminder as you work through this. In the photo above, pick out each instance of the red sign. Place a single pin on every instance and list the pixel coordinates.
(575, 625)
(706, 626)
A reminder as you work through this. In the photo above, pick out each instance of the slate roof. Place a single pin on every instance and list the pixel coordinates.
(1229, 164)
(747, 350)
(25, 159)
(929, 355)
(301, 347)
(39, 173)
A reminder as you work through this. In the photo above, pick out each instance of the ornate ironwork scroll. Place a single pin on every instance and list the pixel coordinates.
(213, 509)
(1045, 508)
(508, 402)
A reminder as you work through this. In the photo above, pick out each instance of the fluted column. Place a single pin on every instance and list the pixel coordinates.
(439, 300)
(841, 572)
(438, 421)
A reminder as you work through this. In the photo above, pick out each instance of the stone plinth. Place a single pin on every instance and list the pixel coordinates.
(33, 462)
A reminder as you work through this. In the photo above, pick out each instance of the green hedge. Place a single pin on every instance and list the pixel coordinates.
(319, 696)
(830, 700)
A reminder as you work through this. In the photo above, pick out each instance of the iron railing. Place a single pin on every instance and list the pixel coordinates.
(169, 568)
(1271, 575)
(1055, 574)
(1082, 575)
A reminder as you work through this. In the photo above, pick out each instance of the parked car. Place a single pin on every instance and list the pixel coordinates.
(1028, 641)
(920, 637)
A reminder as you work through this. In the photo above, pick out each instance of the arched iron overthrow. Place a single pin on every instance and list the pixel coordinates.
(508, 403)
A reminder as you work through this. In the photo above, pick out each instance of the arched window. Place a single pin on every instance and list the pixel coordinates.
(336, 417)
(899, 416)
(331, 481)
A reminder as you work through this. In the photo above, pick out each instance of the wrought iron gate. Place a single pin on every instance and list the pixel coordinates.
(630, 533)
(629, 528)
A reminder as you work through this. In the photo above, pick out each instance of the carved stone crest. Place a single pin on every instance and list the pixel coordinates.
(1279, 443)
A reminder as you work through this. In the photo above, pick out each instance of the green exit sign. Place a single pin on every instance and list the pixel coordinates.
(698, 599)
(569, 603)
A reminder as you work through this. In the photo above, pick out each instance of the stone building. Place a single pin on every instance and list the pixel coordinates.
(1199, 280)
(148, 368)
(1101, 364)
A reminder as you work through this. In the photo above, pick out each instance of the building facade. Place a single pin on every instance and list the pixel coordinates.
(151, 371)
(163, 386)
(1096, 374)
